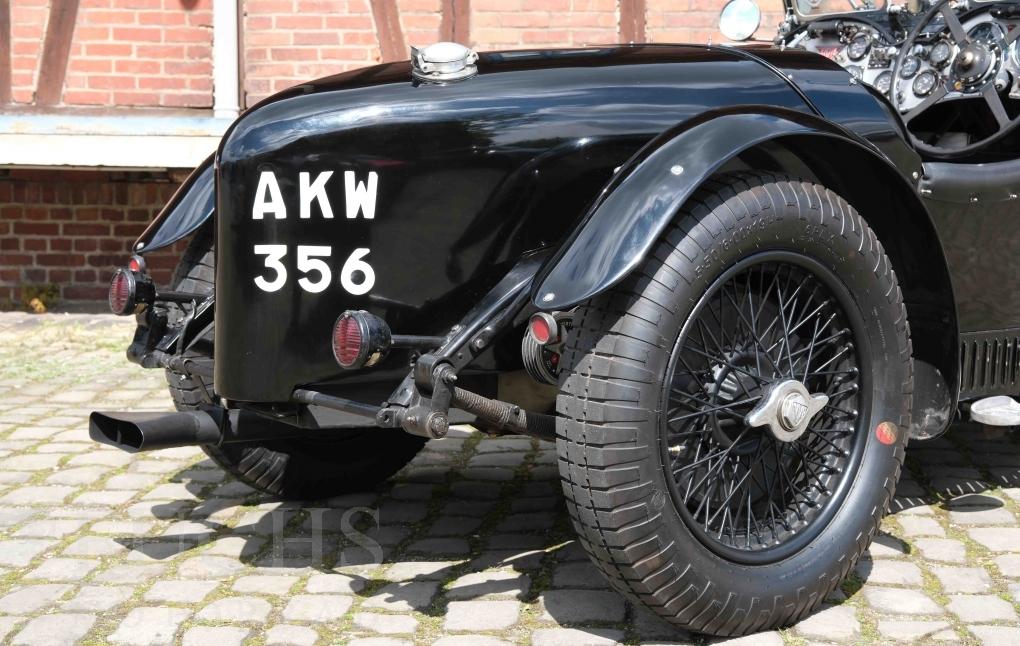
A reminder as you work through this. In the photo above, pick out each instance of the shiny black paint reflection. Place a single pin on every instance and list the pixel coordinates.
(187, 210)
(645, 196)
(471, 176)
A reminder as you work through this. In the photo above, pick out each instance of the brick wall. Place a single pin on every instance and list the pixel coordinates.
(70, 229)
(515, 24)
(158, 53)
(694, 21)
(289, 41)
(123, 53)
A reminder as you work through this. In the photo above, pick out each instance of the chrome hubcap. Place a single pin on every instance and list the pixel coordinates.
(786, 410)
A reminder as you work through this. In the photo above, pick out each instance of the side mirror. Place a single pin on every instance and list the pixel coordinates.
(739, 19)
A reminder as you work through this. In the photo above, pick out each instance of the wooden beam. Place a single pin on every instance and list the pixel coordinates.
(388, 31)
(5, 51)
(56, 50)
(456, 24)
(632, 21)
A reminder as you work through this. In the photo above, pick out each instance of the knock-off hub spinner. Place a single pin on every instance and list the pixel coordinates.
(786, 409)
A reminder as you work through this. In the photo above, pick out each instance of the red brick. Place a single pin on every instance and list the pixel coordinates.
(14, 244)
(136, 98)
(114, 244)
(87, 98)
(186, 67)
(137, 34)
(89, 214)
(58, 276)
(186, 34)
(106, 260)
(113, 82)
(160, 52)
(161, 18)
(12, 212)
(137, 66)
(59, 259)
(162, 83)
(108, 49)
(90, 65)
(124, 230)
(71, 229)
(100, 17)
(36, 228)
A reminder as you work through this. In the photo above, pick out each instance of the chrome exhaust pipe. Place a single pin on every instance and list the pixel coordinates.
(135, 432)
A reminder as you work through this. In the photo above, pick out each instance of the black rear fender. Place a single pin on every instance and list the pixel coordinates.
(190, 207)
(637, 205)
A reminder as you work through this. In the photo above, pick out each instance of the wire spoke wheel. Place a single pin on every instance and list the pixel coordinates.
(756, 493)
(734, 414)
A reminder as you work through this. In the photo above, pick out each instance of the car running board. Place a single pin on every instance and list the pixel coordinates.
(996, 411)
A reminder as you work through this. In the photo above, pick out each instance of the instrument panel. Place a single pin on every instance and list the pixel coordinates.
(865, 52)
(869, 55)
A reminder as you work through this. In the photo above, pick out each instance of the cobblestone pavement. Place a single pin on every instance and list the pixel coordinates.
(467, 545)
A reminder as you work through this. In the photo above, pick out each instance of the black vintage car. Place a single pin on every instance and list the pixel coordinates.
(728, 282)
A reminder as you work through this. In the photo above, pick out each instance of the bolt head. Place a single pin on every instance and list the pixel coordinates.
(438, 425)
(677, 169)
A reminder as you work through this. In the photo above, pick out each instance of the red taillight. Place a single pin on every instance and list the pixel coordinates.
(121, 288)
(347, 341)
(137, 264)
(543, 328)
(360, 339)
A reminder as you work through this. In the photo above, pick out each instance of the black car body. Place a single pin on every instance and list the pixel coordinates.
(441, 216)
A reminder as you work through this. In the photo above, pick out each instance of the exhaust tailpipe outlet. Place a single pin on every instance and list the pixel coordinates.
(135, 432)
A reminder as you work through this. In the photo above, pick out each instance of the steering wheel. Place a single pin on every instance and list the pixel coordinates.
(969, 71)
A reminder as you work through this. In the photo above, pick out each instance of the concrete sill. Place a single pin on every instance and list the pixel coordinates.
(108, 142)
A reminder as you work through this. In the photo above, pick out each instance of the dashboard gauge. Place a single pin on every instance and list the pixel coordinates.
(924, 83)
(940, 53)
(910, 66)
(858, 47)
(884, 82)
(855, 71)
(989, 32)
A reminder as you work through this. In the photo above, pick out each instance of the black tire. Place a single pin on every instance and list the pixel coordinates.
(299, 469)
(627, 471)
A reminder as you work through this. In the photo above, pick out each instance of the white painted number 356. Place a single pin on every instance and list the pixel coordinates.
(316, 272)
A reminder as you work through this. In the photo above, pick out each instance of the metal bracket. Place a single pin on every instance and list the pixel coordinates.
(421, 404)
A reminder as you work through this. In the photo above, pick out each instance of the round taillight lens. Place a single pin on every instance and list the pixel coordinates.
(121, 296)
(347, 341)
(543, 327)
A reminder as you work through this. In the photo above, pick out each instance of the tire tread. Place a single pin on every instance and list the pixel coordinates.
(599, 408)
